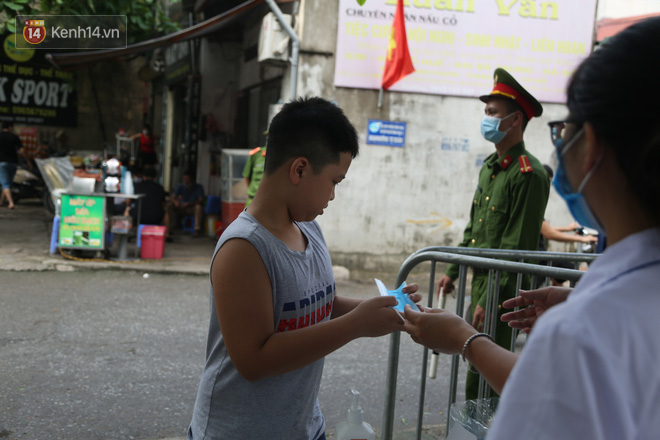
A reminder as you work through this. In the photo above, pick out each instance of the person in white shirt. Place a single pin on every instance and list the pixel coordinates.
(589, 369)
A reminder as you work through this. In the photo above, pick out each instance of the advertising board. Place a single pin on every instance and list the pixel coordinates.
(82, 223)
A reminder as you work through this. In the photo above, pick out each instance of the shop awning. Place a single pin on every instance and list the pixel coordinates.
(74, 60)
(608, 27)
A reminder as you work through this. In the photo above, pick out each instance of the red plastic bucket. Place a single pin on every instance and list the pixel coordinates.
(153, 242)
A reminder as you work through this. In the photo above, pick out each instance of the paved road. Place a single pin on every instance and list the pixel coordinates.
(114, 355)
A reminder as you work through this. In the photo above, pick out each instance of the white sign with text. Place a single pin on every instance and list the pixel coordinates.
(457, 44)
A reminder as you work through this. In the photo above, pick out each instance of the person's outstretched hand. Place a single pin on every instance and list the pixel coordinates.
(538, 300)
(437, 329)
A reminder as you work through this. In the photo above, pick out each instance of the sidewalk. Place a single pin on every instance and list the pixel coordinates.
(25, 242)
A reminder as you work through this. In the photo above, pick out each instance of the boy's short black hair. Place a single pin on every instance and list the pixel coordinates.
(6, 125)
(313, 128)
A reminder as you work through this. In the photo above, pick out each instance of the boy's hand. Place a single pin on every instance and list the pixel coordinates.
(411, 289)
(375, 316)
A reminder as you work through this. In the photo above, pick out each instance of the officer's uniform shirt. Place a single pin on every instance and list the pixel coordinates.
(590, 367)
(254, 171)
(508, 205)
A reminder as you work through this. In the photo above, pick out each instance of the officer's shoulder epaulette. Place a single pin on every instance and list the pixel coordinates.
(255, 151)
(525, 165)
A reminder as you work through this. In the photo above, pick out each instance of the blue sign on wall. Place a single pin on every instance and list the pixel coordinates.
(388, 133)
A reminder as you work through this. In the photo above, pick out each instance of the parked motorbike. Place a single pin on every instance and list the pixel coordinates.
(27, 185)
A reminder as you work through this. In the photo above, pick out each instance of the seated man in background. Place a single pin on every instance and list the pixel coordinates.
(153, 203)
(187, 200)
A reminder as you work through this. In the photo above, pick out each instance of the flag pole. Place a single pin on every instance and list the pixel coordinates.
(380, 98)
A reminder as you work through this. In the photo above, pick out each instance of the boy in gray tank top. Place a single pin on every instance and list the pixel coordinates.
(274, 312)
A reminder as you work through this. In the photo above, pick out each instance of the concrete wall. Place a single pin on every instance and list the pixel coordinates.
(397, 200)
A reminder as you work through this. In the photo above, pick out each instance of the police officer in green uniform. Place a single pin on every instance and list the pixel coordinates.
(254, 171)
(509, 203)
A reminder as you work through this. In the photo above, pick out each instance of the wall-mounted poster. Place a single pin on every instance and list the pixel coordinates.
(457, 44)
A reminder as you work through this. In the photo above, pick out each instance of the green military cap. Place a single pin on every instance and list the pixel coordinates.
(506, 86)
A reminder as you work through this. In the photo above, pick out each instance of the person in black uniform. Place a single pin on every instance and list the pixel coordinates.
(153, 210)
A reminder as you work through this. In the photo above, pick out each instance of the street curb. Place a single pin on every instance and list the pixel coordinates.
(64, 265)
(146, 266)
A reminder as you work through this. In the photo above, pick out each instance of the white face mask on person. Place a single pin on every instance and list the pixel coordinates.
(490, 128)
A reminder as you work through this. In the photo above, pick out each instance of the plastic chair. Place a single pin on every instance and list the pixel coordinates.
(139, 235)
(55, 234)
(188, 224)
(213, 205)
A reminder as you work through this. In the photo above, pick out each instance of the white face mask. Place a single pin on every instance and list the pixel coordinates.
(145, 132)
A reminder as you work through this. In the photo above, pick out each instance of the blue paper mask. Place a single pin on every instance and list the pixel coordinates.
(575, 200)
(490, 128)
(402, 298)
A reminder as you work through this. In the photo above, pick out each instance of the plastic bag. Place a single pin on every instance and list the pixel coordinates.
(57, 172)
(470, 420)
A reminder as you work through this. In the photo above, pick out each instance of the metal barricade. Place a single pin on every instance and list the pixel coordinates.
(495, 261)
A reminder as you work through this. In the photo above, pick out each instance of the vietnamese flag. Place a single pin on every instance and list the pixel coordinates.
(398, 62)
